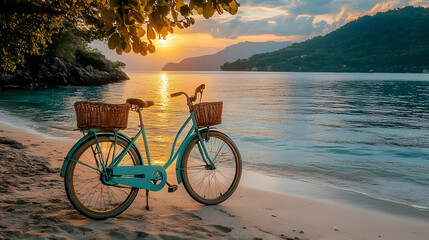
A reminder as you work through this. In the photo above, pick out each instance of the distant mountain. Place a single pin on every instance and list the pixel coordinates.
(393, 41)
(231, 53)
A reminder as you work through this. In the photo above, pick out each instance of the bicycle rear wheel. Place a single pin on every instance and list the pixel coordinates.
(85, 187)
(211, 186)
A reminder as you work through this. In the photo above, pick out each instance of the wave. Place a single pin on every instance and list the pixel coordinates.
(332, 179)
(33, 127)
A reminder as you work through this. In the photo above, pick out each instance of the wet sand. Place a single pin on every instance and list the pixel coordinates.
(33, 205)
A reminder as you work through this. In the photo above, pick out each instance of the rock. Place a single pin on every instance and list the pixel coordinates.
(59, 65)
(89, 76)
(118, 75)
(6, 79)
(43, 73)
(103, 65)
(23, 76)
(58, 72)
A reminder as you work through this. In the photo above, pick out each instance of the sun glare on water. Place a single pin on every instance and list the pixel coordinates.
(163, 91)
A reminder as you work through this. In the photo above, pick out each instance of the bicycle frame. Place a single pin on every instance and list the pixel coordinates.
(174, 155)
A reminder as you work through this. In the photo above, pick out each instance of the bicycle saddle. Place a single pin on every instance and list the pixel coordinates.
(140, 103)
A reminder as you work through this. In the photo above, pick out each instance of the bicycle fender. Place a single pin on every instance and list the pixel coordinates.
(179, 158)
(86, 138)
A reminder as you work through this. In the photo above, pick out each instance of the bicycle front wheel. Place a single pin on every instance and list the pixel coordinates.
(85, 188)
(211, 186)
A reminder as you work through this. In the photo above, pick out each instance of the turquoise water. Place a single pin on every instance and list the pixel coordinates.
(367, 133)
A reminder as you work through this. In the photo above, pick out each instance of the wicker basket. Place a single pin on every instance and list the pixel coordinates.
(208, 114)
(95, 115)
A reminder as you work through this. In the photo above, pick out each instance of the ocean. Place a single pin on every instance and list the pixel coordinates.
(364, 133)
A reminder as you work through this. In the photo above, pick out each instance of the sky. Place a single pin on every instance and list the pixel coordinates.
(258, 21)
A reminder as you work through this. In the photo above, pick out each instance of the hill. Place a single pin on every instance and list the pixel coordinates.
(393, 41)
(212, 62)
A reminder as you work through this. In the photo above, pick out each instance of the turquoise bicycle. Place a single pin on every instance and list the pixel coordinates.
(104, 170)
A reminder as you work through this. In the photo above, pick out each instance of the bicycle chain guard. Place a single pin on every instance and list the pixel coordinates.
(152, 178)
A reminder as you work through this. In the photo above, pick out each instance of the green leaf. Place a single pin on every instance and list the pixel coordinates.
(233, 7)
(199, 3)
(110, 31)
(139, 17)
(208, 9)
(115, 3)
(179, 4)
(108, 16)
(113, 41)
(185, 11)
(219, 8)
(140, 32)
(123, 30)
(126, 46)
(119, 48)
(134, 2)
(191, 4)
(129, 19)
(151, 48)
(150, 32)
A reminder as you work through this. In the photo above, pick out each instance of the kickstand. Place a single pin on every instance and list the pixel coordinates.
(147, 199)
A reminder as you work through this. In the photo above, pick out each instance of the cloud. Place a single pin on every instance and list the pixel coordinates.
(385, 6)
(254, 20)
(422, 3)
(293, 17)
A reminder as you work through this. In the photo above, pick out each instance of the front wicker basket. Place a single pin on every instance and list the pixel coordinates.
(208, 114)
(95, 115)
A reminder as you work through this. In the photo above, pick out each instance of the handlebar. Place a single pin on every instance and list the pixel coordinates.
(199, 89)
(177, 94)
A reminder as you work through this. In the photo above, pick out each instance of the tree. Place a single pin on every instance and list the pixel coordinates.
(27, 26)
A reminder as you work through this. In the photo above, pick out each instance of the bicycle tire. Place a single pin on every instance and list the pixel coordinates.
(202, 184)
(76, 174)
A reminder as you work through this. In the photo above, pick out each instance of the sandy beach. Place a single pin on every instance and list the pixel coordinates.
(34, 205)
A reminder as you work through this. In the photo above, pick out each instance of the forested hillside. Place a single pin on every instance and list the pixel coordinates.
(393, 41)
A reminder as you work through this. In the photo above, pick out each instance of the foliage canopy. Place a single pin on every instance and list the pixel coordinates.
(27, 26)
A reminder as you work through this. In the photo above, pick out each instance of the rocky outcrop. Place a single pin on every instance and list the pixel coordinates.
(58, 72)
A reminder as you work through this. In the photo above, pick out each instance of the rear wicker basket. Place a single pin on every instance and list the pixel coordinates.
(95, 115)
(208, 114)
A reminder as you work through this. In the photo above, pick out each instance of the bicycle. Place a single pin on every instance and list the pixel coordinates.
(104, 170)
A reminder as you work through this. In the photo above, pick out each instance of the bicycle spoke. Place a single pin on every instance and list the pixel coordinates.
(196, 167)
(92, 194)
(211, 186)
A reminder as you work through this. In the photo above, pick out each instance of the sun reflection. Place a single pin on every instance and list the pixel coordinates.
(163, 91)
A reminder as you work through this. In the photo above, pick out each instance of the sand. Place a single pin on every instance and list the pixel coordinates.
(33, 205)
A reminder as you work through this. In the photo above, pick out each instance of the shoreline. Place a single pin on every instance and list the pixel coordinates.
(275, 184)
(250, 212)
(351, 197)
(346, 197)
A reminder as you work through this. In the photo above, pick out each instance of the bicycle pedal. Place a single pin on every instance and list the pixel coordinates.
(172, 188)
